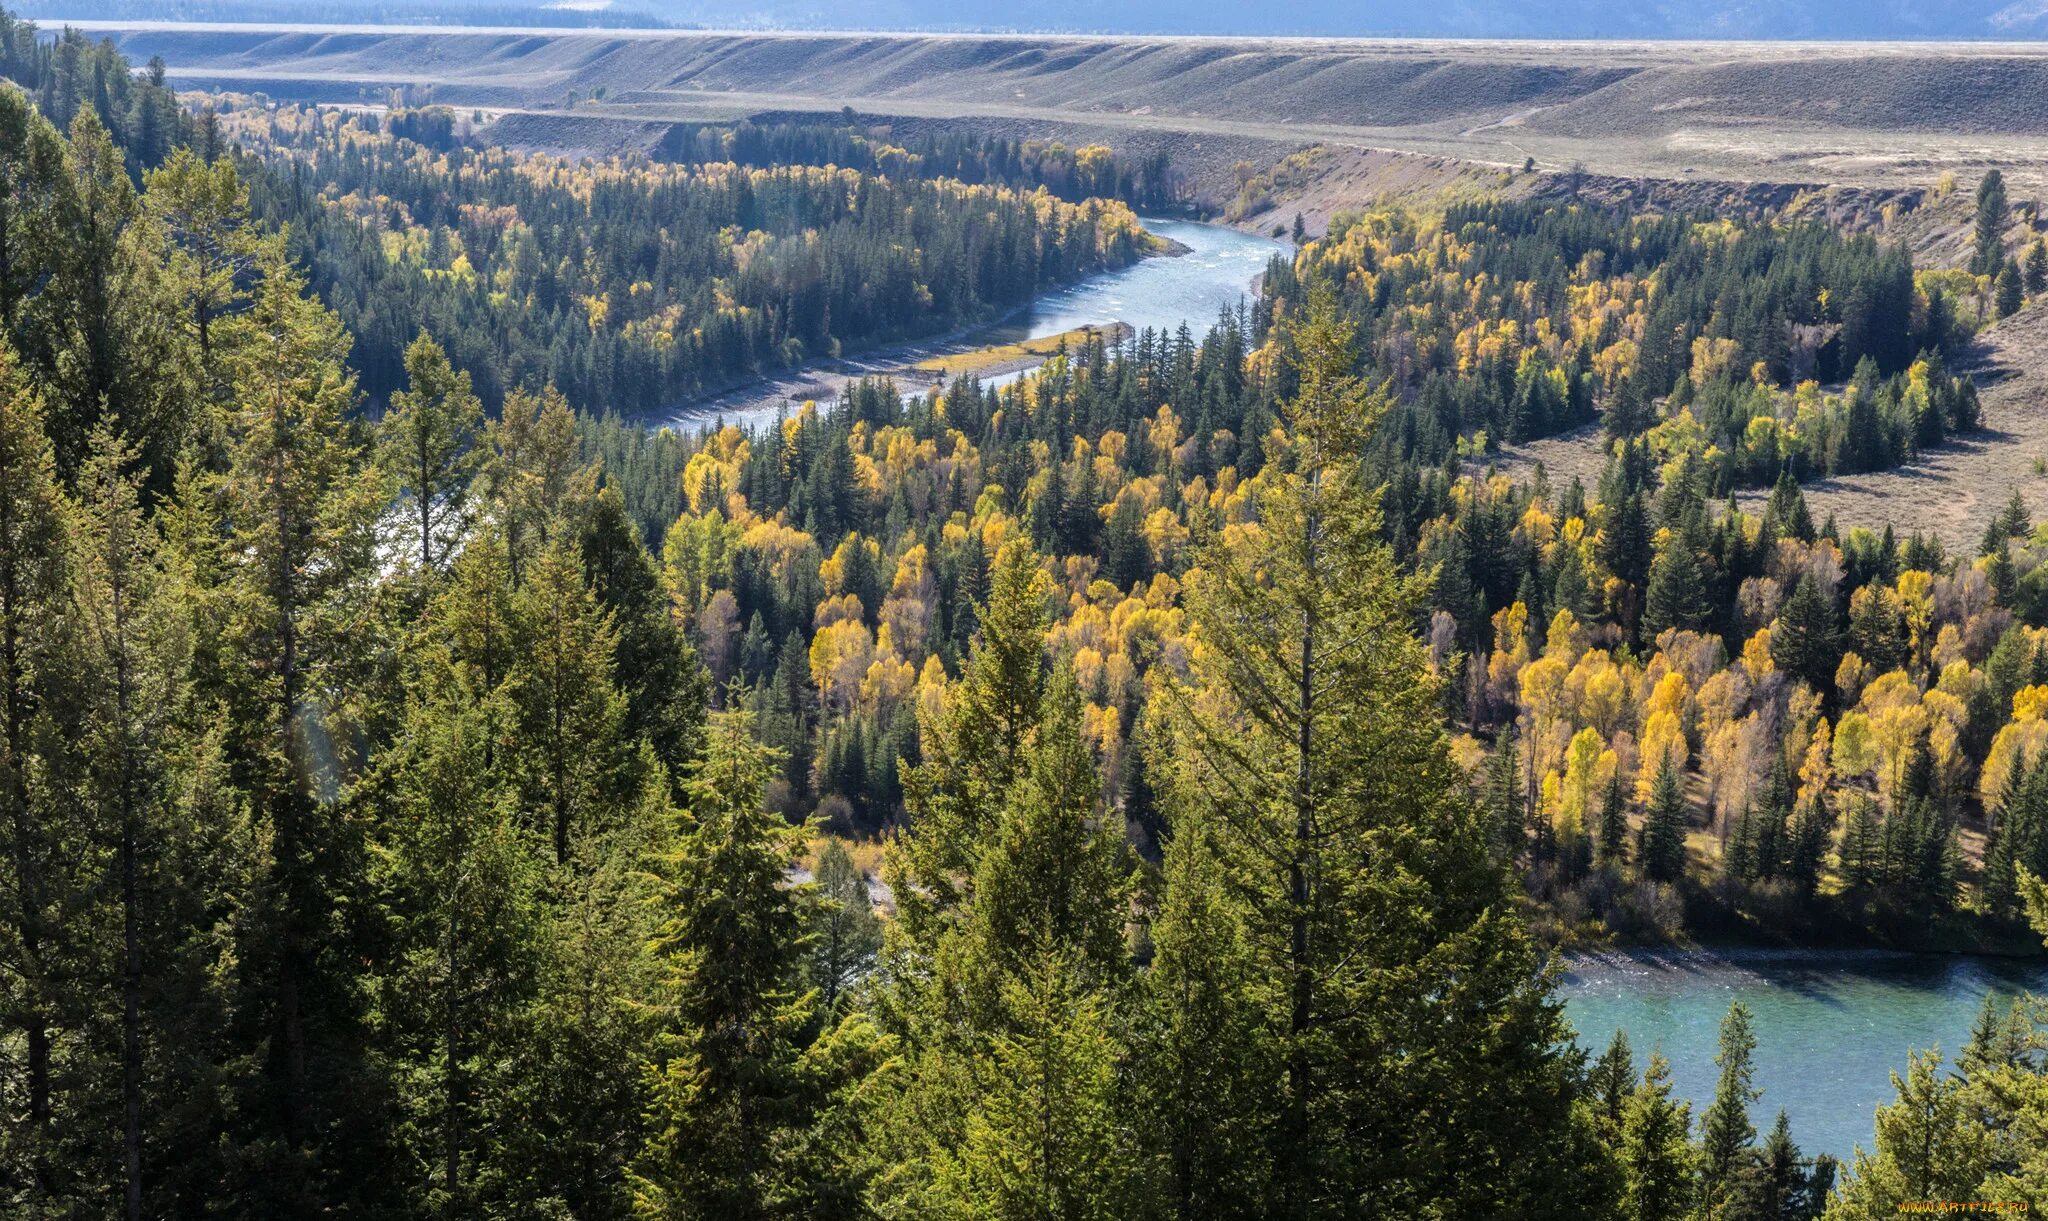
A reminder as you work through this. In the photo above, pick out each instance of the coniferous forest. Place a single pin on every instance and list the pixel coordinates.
(1151, 788)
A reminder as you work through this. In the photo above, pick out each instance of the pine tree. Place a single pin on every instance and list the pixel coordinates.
(204, 209)
(1727, 1137)
(1677, 593)
(1613, 829)
(1052, 876)
(1813, 830)
(1028, 967)
(429, 442)
(2037, 268)
(297, 509)
(1861, 854)
(1782, 1184)
(1989, 249)
(1310, 734)
(1044, 1139)
(735, 949)
(974, 752)
(845, 934)
(2012, 522)
(1611, 1084)
(2009, 291)
(653, 664)
(1204, 1053)
(1926, 1147)
(1803, 639)
(1786, 512)
(39, 848)
(1662, 851)
(133, 665)
(1656, 1150)
(461, 889)
(574, 760)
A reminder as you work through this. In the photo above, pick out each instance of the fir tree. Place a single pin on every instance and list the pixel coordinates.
(429, 441)
(2008, 291)
(297, 508)
(1308, 728)
(1662, 852)
(461, 891)
(1727, 1137)
(1677, 593)
(1803, 640)
(40, 850)
(724, 1089)
(845, 934)
(1612, 1083)
(1989, 249)
(1205, 1053)
(1612, 840)
(1656, 1150)
(1926, 1147)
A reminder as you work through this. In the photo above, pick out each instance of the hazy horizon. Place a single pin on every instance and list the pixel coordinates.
(1770, 20)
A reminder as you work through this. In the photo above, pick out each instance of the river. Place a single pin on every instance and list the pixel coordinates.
(1831, 1025)
(1215, 273)
(1161, 293)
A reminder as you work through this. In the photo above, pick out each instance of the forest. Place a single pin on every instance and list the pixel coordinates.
(1149, 788)
(635, 284)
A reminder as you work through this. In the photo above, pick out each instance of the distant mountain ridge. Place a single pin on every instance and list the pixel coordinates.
(1767, 19)
(1653, 19)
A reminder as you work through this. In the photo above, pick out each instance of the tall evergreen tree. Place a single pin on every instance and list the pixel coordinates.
(461, 886)
(429, 443)
(845, 934)
(296, 509)
(1727, 1137)
(1662, 851)
(1804, 639)
(1656, 1150)
(1988, 252)
(39, 843)
(725, 1087)
(1308, 739)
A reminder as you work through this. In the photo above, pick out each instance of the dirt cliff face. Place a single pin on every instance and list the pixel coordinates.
(1889, 114)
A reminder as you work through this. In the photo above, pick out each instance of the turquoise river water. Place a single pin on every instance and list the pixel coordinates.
(1831, 1025)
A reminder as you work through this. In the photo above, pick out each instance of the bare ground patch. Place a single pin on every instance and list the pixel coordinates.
(1951, 491)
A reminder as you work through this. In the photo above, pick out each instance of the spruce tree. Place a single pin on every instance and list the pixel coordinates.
(1988, 251)
(724, 1092)
(133, 664)
(1727, 1137)
(2008, 291)
(1677, 593)
(296, 508)
(845, 934)
(1803, 639)
(428, 443)
(460, 886)
(1205, 1055)
(1656, 1151)
(1611, 1083)
(38, 839)
(574, 760)
(1662, 852)
(1309, 733)
(204, 209)
(1926, 1146)
(1613, 829)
